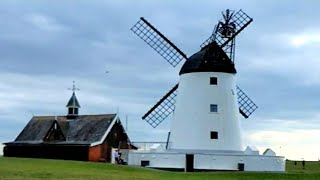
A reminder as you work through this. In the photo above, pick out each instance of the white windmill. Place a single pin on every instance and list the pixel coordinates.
(205, 103)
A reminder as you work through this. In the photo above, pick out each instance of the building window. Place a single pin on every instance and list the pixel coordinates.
(213, 108)
(214, 135)
(213, 81)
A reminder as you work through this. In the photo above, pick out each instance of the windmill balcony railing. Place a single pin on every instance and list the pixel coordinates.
(152, 146)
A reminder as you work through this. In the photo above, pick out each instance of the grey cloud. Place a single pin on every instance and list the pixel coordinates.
(88, 38)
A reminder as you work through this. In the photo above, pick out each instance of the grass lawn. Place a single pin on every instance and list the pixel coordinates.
(23, 168)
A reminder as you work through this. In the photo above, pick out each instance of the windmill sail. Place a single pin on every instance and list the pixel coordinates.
(223, 37)
(240, 20)
(162, 109)
(158, 42)
(246, 105)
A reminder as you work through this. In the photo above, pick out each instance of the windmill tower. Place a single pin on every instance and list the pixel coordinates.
(206, 102)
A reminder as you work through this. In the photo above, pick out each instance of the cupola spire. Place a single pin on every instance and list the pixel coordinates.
(73, 104)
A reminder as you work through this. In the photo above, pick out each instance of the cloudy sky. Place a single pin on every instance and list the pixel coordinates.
(45, 45)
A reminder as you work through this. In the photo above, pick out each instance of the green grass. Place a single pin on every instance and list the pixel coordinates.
(23, 168)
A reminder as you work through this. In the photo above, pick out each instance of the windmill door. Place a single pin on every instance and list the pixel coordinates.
(189, 162)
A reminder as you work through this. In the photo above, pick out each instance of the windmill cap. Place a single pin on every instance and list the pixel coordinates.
(211, 58)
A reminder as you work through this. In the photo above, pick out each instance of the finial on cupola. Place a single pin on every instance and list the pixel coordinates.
(73, 104)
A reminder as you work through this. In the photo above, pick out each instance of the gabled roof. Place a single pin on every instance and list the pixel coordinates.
(88, 128)
(84, 129)
(73, 102)
(35, 130)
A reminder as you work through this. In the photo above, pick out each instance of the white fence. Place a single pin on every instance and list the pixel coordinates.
(146, 146)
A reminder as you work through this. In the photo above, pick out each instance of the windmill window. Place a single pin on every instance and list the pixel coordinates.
(213, 135)
(213, 81)
(213, 108)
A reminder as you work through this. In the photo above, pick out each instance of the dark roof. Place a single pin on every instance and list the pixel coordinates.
(73, 102)
(211, 58)
(88, 128)
(84, 129)
(35, 130)
(48, 143)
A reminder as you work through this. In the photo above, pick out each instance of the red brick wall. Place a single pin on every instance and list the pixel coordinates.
(95, 153)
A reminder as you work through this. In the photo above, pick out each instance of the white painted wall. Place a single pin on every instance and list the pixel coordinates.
(230, 162)
(210, 161)
(160, 160)
(1, 149)
(193, 121)
(217, 162)
(265, 163)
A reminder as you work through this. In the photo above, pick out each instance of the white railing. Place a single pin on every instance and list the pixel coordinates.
(146, 146)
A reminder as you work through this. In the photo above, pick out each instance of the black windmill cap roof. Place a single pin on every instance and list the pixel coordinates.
(73, 102)
(210, 58)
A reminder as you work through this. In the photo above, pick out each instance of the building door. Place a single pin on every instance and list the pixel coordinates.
(189, 162)
(108, 154)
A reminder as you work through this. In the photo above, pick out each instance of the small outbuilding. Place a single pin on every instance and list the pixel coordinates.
(70, 137)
